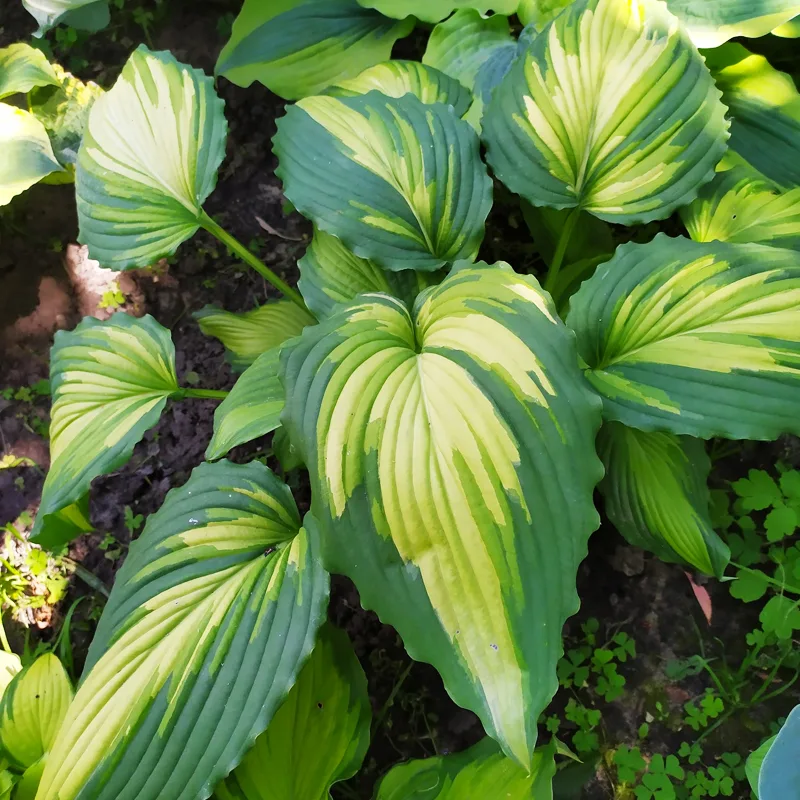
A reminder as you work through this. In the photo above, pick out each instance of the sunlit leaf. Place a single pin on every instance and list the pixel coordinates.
(22, 67)
(630, 136)
(298, 48)
(211, 618)
(90, 15)
(149, 159)
(539, 12)
(695, 338)
(451, 450)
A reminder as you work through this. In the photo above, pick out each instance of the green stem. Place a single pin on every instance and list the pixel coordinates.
(782, 586)
(87, 577)
(561, 249)
(235, 246)
(391, 698)
(205, 394)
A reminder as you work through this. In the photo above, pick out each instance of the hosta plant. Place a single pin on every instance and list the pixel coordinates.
(447, 409)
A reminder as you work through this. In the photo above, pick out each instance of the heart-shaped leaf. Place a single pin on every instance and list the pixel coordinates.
(329, 704)
(110, 383)
(629, 136)
(149, 159)
(22, 67)
(452, 460)
(657, 496)
(740, 205)
(210, 620)
(298, 48)
(417, 191)
(694, 338)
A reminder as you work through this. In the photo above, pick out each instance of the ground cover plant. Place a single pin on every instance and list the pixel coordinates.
(454, 414)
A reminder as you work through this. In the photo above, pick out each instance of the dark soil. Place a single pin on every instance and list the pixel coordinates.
(621, 587)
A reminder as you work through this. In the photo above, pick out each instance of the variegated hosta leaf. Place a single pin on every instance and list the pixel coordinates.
(740, 205)
(22, 67)
(110, 383)
(32, 709)
(64, 112)
(246, 335)
(712, 22)
(27, 153)
(437, 10)
(210, 620)
(694, 338)
(298, 48)
(330, 274)
(89, 15)
(779, 777)
(10, 665)
(657, 497)
(252, 408)
(789, 30)
(539, 12)
(629, 135)
(476, 50)
(396, 78)
(765, 110)
(149, 159)
(452, 460)
(323, 725)
(481, 771)
(417, 191)
(28, 784)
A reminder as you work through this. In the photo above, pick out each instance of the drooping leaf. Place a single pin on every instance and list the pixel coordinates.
(765, 109)
(110, 382)
(657, 496)
(246, 335)
(90, 15)
(754, 763)
(22, 67)
(330, 274)
(779, 778)
(539, 12)
(396, 78)
(712, 22)
(210, 620)
(740, 205)
(437, 10)
(695, 338)
(629, 137)
(481, 771)
(298, 48)
(323, 725)
(149, 159)
(32, 709)
(417, 191)
(452, 459)
(252, 409)
(64, 112)
(27, 153)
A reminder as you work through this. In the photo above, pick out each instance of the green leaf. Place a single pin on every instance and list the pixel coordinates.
(758, 490)
(451, 451)
(323, 725)
(629, 143)
(330, 274)
(780, 522)
(481, 771)
(789, 30)
(418, 193)
(779, 778)
(712, 22)
(657, 496)
(252, 408)
(397, 78)
(22, 67)
(27, 153)
(765, 110)
(780, 616)
(91, 15)
(740, 205)
(211, 618)
(437, 10)
(110, 381)
(246, 335)
(149, 159)
(32, 709)
(28, 785)
(539, 12)
(754, 763)
(750, 585)
(694, 338)
(64, 112)
(298, 48)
